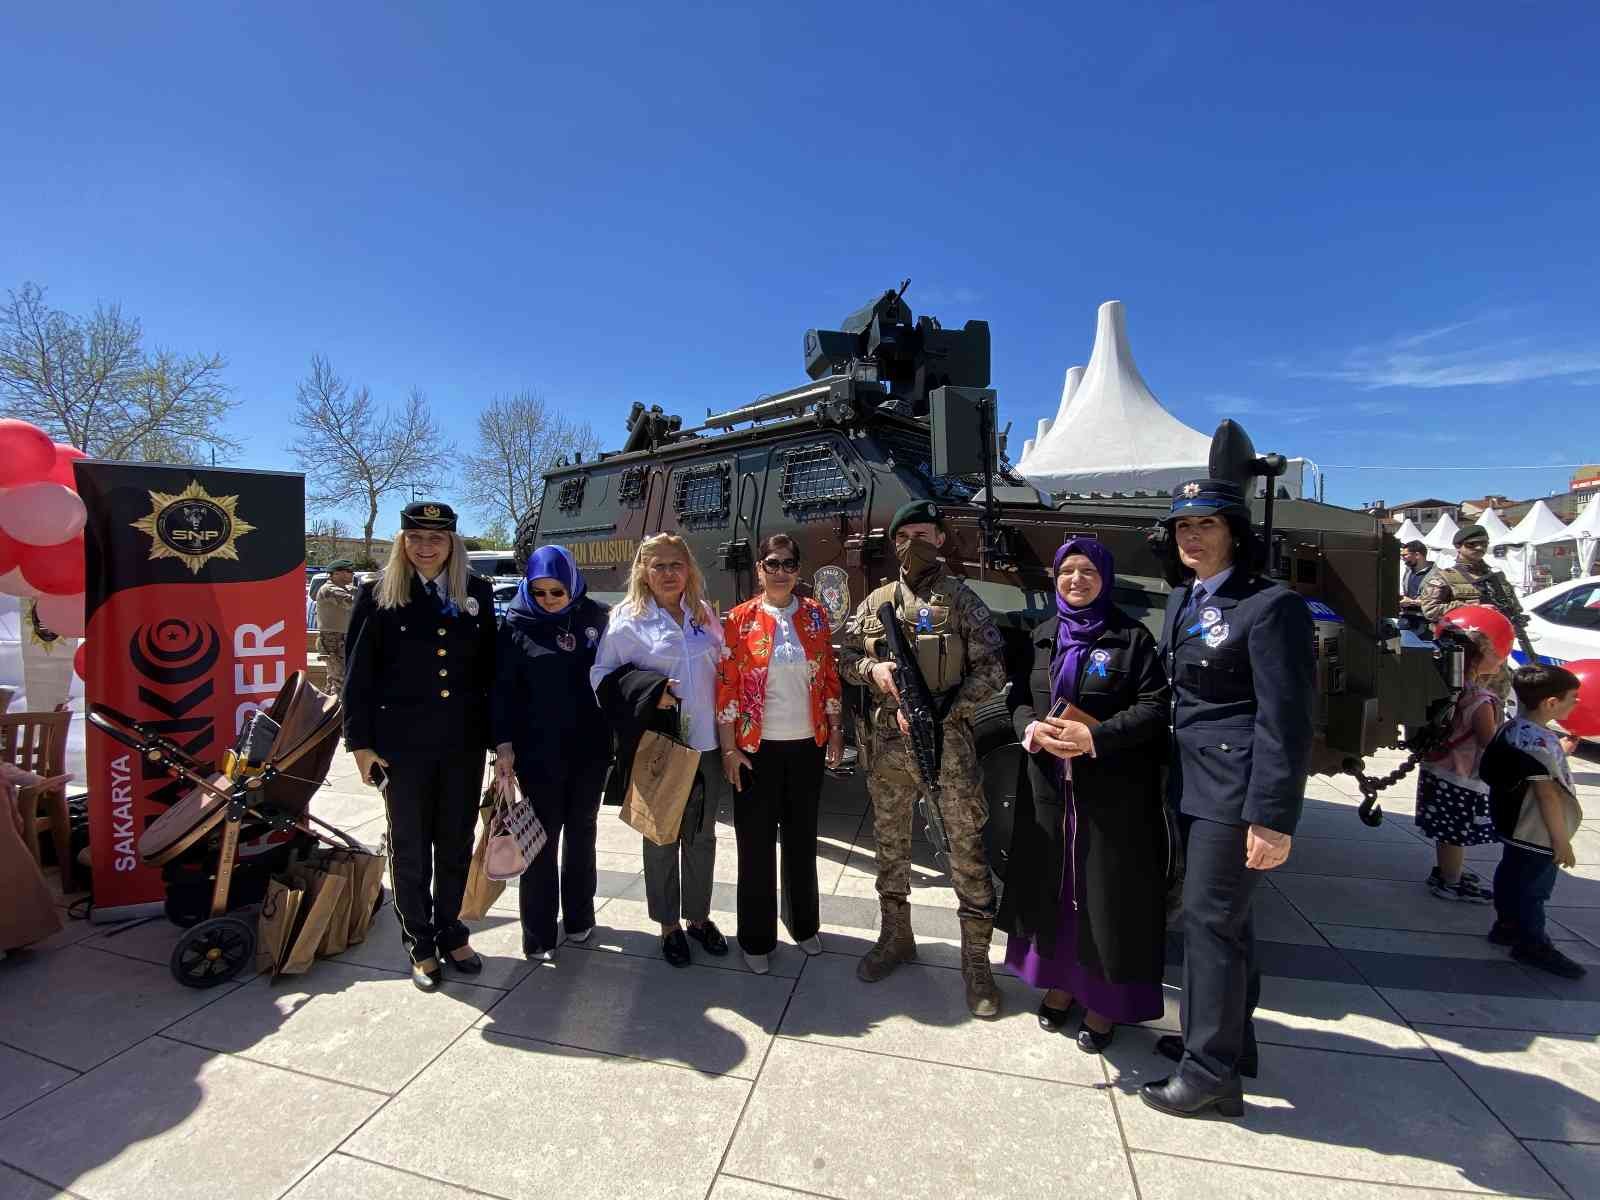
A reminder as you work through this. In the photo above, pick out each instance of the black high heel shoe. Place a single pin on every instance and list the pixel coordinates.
(1091, 1042)
(471, 965)
(1052, 1020)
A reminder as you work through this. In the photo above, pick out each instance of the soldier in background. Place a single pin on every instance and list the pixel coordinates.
(959, 651)
(1464, 583)
(335, 600)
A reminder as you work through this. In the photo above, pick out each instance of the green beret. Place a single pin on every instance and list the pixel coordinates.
(918, 512)
(340, 564)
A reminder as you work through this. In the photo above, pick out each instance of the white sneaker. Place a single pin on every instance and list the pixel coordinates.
(812, 945)
(582, 936)
(756, 962)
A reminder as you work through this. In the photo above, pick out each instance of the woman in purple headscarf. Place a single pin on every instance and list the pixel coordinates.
(1085, 893)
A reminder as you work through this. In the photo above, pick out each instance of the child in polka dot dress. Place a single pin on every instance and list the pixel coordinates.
(1452, 802)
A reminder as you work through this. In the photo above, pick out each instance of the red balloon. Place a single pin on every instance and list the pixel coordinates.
(55, 570)
(62, 614)
(26, 453)
(1490, 622)
(11, 552)
(61, 472)
(79, 660)
(1584, 721)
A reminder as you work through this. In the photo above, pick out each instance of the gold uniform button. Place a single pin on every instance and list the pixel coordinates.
(441, 633)
(444, 693)
(443, 672)
(441, 652)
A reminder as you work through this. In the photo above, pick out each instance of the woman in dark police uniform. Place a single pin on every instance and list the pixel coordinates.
(1238, 650)
(416, 716)
(1085, 897)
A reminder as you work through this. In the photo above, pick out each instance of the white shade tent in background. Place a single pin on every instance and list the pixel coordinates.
(1441, 540)
(1111, 433)
(1585, 528)
(1499, 532)
(1538, 528)
(1408, 532)
(1069, 385)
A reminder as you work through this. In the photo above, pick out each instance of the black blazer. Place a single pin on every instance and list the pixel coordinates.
(1120, 848)
(417, 682)
(1242, 703)
(543, 704)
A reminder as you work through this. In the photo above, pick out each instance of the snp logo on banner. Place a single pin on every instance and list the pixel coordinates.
(193, 526)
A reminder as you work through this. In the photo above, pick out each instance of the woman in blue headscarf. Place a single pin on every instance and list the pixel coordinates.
(551, 735)
(1084, 901)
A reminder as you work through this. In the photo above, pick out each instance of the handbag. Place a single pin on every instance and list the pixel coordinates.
(516, 836)
(663, 775)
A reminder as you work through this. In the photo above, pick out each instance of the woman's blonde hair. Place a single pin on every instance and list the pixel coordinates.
(393, 589)
(694, 592)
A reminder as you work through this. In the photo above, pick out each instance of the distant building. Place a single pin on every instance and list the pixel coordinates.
(323, 549)
(1423, 513)
(1476, 508)
(1585, 479)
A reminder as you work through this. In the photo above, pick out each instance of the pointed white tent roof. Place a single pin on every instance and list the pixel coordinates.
(1442, 536)
(1497, 529)
(1111, 433)
(1409, 531)
(1539, 527)
(1069, 385)
(1587, 523)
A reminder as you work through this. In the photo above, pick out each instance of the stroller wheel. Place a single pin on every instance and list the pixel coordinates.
(213, 952)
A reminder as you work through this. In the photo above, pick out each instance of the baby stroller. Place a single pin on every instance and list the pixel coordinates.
(260, 797)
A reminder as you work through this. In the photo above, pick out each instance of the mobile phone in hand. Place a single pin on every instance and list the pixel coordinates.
(1059, 708)
(379, 778)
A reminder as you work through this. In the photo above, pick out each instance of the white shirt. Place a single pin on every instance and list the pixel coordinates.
(787, 715)
(688, 653)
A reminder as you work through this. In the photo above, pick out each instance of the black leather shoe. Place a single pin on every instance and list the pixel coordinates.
(1170, 1045)
(471, 965)
(1091, 1042)
(1177, 1097)
(1503, 933)
(426, 980)
(1052, 1020)
(709, 936)
(675, 948)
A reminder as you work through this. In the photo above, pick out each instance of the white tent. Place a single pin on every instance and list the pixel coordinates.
(1408, 532)
(1069, 386)
(1538, 528)
(1114, 435)
(1441, 540)
(1499, 533)
(1586, 528)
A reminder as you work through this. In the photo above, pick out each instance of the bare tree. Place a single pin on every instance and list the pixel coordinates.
(91, 383)
(355, 452)
(519, 438)
(323, 538)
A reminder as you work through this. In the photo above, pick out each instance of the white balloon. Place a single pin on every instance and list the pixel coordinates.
(42, 514)
(13, 584)
(62, 614)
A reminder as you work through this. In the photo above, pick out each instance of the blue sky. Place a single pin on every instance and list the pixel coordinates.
(1368, 235)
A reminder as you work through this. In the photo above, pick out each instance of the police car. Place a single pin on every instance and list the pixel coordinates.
(1564, 621)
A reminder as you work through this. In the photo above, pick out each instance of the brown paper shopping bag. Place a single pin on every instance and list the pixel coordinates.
(659, 786)
(368, 885)
(275, 925)
(336, 940)
(481, 890)
(322, 898)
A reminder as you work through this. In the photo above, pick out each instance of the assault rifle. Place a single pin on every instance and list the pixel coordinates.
(1497, 591)
(927, 730)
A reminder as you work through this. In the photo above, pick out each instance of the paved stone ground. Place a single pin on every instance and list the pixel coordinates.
(1403, 1055)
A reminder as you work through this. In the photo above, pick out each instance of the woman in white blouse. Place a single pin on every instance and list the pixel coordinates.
(660, 651)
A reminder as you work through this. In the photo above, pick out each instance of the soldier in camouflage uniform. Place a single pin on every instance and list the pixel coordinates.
(959, 651)
(335, 599)
(1449, 588)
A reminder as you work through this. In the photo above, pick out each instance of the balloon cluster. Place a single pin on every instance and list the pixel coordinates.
(41, 526)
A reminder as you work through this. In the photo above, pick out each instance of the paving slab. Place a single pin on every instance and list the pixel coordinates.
(1165, 1177)
(616, 874)
(346, 805)
(151, 940)
(1345, 1116)
(340, 1177)
(714, 1021)
(498, 938)
(629, 1130)
(1541, 1085)
(164, 1119)
(24, 1078)
(1345, 824)
(921, 1012)
(1495, 1012)
(14, 1185)
(79, 1007)
(1343, 857)
(1576, 1168)
(1381, 904)
(1333, 1016)
(731, 1187)
(356, 1025)
(625, 927)
(1472, 945)
(1476, 976)
(909, 1130)
(1584, 922)
(1277, 920)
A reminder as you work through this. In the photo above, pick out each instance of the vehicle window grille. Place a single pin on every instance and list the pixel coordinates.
(702, 495)
(570, 498)
(631, 490)
(814, 475)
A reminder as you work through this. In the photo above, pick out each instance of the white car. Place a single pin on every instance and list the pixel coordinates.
(1563, 621)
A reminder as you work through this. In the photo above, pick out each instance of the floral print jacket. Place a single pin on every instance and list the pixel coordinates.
(742, 674)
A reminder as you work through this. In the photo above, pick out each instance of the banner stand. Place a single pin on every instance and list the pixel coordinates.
(126, 912)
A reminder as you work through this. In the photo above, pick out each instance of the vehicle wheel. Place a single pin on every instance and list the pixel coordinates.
(213, 952)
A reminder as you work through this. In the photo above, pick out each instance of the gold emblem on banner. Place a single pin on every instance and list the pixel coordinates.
(193, 526)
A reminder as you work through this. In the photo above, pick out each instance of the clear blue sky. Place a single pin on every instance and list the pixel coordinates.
(1369, 235)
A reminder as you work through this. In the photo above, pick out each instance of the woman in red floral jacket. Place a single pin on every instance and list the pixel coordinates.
(778, 721)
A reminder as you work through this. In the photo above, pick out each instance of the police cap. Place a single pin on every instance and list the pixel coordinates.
(1207, 498)
(428, 514)
(340, 564)
(918, 512)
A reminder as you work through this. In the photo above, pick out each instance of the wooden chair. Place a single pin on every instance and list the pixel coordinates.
(37, 742)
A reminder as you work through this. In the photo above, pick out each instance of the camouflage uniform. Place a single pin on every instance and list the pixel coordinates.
(960, 647)
(1447, 588)
(334, 604)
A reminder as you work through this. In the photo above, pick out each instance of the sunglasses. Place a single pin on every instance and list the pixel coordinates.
(553, 593)
(1474, 545)
(787, 565)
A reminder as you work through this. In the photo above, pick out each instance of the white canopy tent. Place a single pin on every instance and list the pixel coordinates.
(1585, 528)
(1538, 528)
(1111, 433)
(1499, 532)
(1441, 540)
(1408, 532)
(1069, 385)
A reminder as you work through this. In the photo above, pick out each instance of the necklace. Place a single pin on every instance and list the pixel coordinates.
(565, 640)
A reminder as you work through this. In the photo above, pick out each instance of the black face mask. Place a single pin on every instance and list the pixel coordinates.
(918, 560)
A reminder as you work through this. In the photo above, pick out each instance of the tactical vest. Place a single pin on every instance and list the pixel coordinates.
(1463, 588)
(941, 649)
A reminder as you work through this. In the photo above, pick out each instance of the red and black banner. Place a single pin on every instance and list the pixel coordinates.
(196, 615)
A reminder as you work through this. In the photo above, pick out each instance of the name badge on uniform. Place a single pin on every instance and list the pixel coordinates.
(1216, 635)
(1209, 616)
(1097, 662)
(924, 620)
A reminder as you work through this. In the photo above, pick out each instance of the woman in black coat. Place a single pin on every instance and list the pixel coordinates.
(550, 733)
(1085, 894)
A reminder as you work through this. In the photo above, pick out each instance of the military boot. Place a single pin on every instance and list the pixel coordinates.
(983, 997)
(895, 943)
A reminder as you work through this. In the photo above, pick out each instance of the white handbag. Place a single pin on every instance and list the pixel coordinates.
(516, 836)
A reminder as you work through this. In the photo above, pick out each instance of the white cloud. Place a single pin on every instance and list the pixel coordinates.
(1426, 360)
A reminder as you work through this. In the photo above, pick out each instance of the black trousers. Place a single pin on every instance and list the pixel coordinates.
(563, 876)
(780, 798)
(1221, 978)
(432, 806)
